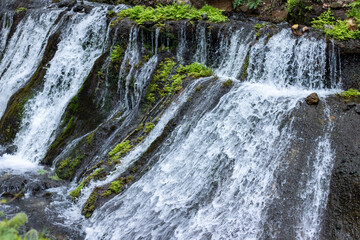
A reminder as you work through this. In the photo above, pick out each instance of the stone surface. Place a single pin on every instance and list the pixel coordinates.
(312, 99)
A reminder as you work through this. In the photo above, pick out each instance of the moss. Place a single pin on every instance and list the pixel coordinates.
(65, 134)
(20, 9)
(89, 206)
(120, 150)
(117, 186)
(77, 191)
(245, 67)
(228, 83)
(149, 127)
(66, 168)
(90, 138)
(350, 94)
(55, 177)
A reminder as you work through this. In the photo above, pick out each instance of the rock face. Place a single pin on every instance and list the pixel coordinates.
(342, 219)
(312, 99)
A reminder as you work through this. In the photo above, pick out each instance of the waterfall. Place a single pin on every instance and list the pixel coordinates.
(24, 51)
(216, 176)
(223, 169)
(81, 43)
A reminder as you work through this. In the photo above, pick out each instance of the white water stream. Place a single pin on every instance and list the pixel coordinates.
(81, 43)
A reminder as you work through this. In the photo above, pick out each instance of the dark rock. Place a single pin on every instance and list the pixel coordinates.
(357, 109)
(312, 99)
(68, 4)
(349, 106)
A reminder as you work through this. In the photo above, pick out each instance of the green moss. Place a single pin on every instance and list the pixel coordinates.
(77, 191)
(89, 206)
(245, 67)
(116, 186)
(66, 168)
(120, 150)
(90, 138)
(350, 94)
(171, 12)
(228, 83)
(149, 127)
(55, 177)
(116, 54)
(20, 9)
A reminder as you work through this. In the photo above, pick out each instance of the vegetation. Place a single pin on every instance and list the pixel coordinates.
(9, 229)
(116, 54)
(228, 83)
(252, 4)
(20, 9)
(339, 29)
(350, 94)
(149, 127)
(175, 11)
(120, 150)
(66, 168)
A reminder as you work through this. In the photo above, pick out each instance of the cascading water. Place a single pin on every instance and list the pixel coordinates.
(216, 175)
(24, 51)
(221, 188)
(79, 47)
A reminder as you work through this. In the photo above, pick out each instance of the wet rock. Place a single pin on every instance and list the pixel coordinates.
(82, 8)
(68, 4)
(336, 5)
(357, 109)
(312, 99)
(349, 106)
(298, 31)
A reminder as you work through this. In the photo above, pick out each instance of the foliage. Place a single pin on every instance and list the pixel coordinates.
(149, 127)
(20, 9)
(9, 229)
(354, 12)
(55, 177)
(228, 83)
(171, 12)
(67, 167)
(252, 4)
(337, 28)
(120, 149)
(116, 54)
(350, 94)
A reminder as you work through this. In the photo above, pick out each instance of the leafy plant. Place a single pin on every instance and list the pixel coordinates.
(9, 229)
(171, 12)
(252, 4)
(335, 28)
